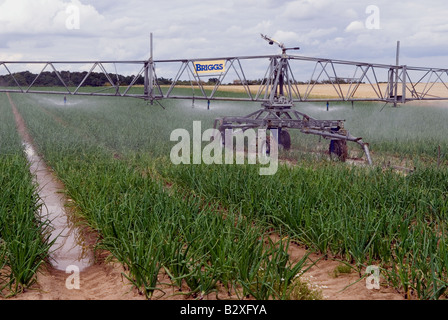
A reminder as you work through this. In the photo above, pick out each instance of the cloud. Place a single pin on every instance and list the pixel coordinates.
(37, 30)
(27, 16)
(325, 12)
(46, 17)
(355, 26)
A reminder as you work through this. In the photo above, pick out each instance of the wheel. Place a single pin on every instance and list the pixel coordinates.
(284, 139)
(339, 148)
(267, 145)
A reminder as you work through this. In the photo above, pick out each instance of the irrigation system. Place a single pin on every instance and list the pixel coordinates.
(278, 91)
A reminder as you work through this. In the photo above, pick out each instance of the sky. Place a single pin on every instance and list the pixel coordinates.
(357, 30)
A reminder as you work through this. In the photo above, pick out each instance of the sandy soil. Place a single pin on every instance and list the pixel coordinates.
(341, 286)
(105, 281)
(98, 282)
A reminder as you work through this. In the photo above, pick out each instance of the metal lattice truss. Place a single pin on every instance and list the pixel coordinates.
(288, 79)
(69, 86)
(303, 78)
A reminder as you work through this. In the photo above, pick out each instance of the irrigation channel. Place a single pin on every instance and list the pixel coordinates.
(71, 249)
(68, 249)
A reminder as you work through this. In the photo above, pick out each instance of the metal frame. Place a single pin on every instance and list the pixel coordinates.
(402, 82)
(278, 92)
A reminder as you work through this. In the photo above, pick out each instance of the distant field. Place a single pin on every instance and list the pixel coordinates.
(318, 91)
(364, 90)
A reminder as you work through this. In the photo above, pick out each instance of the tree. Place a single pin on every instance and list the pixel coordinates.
(213, 81)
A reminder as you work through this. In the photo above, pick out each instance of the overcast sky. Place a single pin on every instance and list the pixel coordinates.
(106, 30)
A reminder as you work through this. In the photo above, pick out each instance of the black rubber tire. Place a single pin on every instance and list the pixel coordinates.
(285, 139)
(339, 148)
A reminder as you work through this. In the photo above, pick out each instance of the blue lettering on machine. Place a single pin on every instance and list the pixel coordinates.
(216, 66)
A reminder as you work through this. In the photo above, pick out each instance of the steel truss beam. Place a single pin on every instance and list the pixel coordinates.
(96, 66)
(385, 83)
(289, 79)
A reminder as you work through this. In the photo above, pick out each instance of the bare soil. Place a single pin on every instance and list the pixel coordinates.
(106, 281)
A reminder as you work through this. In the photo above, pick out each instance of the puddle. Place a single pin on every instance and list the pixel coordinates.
(68, 248)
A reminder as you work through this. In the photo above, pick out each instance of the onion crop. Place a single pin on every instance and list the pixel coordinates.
(207, 226)
(24, 244)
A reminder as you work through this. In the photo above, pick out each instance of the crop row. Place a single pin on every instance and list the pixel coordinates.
(24, 245)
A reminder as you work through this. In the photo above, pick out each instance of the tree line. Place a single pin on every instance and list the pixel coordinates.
(99, 79)
(71, 79)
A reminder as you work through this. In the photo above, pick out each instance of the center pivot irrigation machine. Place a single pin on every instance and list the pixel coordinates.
(278, 113)
(277, 90)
